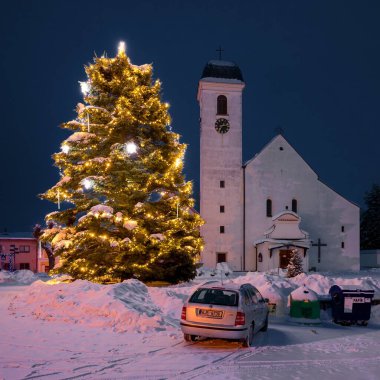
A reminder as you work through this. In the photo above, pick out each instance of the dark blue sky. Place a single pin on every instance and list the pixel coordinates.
(311, 67)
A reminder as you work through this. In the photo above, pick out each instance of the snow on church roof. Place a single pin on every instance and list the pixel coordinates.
(278, 215)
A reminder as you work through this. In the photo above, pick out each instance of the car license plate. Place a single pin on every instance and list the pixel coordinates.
(207, 313)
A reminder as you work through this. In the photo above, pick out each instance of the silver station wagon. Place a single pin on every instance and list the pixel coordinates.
(228, 311)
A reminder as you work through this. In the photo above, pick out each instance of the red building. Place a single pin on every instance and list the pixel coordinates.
(28, 251)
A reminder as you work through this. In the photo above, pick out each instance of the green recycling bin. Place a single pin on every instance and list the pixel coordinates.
(304, 303)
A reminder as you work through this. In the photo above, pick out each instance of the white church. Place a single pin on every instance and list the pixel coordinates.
(258, 212)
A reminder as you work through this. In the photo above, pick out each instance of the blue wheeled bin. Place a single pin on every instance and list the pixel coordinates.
(350, 305)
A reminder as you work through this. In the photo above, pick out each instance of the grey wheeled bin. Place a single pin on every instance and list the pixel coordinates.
(351, 305)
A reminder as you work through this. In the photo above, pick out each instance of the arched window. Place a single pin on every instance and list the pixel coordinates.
(269, 207)
(294, 205)
(221, 105)
(260, 258)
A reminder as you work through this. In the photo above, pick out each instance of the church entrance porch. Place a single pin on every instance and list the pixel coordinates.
(285, 256)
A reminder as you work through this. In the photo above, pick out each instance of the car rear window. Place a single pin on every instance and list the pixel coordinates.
(215, 297)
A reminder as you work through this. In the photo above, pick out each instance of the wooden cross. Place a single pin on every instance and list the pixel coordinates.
(319, 245)
(220, 52)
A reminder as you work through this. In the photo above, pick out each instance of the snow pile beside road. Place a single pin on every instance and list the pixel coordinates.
(132, 306)
(278, 288)
(24, 277)
(127, 306)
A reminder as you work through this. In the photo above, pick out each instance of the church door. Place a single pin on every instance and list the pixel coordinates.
(285, 255)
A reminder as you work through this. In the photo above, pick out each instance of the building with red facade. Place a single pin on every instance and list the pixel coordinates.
(28, 252)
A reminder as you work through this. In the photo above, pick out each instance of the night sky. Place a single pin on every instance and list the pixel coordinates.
(310, 67)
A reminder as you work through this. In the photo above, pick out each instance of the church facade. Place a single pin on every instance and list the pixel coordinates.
(259, 212)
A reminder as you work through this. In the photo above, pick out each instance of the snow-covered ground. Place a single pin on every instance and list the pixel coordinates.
(83, 330)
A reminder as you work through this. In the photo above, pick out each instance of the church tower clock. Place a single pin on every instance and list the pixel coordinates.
(221, 176)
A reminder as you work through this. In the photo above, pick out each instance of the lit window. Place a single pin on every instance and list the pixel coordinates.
(221, 105)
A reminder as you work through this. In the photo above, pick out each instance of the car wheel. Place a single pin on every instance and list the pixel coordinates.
(247, 341)
(265, 326)
(189, 338)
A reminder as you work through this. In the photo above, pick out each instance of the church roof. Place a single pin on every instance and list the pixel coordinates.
(281, 137)
(16, 235)
(222, 70)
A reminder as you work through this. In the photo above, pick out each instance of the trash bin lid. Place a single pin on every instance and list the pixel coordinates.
(350, 289)
(304, 294)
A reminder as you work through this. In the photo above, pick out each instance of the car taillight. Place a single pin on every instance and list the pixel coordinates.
(240, 319)
(183, 314)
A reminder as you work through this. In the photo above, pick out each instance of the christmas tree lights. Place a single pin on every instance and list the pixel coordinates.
(128, 210)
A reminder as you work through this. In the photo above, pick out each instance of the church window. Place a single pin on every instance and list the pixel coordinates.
(221, 105)
(260, 258)
(269, 207)
(221, 229)
(222, 184)
(294, 205)
(221, 257)
(342, 228)
(221, 208)
(342, 245)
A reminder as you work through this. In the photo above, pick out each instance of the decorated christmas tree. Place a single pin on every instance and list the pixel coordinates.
(295, 264)
(124, 206)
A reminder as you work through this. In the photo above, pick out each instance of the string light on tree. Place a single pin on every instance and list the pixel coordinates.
(59, 199)
(121, 48)
(130, 148)
(85, 88)
(178, 162)
(88, 183)
(65, 148)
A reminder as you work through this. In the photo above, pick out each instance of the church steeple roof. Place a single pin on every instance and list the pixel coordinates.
(222, 70)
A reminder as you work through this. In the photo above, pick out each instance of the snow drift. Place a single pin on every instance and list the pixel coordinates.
(132, 306)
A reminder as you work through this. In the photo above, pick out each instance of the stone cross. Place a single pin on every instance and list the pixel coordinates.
(319, 245)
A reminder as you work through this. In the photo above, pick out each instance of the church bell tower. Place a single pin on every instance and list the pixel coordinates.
(221, 176)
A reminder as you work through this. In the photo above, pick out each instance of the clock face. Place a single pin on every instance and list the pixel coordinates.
(222, 125)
